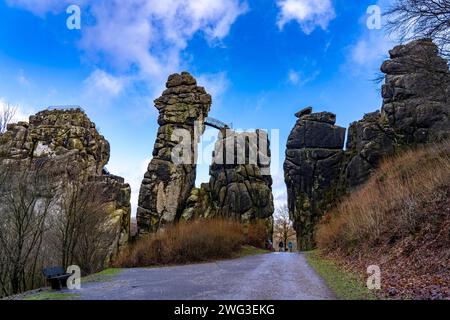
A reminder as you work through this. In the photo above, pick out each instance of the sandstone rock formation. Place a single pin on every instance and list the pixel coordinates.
(67, 145)
(312, 167)
(169, 179)
(416, 110)
(416, 93)
(240, 185)
(368, 141)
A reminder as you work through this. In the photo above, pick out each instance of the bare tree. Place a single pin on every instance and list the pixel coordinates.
(46, 220)
(7, 113)
(415, 19)
(283, 229)
(81, 226)
(26, 200)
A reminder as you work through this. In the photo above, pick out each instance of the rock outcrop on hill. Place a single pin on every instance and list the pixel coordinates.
(171, 174)
(416, 110)
(67, 147)
(416, 93)
(240, 185)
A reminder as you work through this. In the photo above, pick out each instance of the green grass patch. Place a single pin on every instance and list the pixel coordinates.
(345, 285)
(109, 272)
(52, 296)
(250, 251)
(104, 275)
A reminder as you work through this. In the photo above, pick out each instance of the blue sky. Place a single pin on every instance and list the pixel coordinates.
(262, 61)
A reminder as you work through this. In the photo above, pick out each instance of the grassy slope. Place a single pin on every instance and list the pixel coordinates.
(346, 286)
(400, 221)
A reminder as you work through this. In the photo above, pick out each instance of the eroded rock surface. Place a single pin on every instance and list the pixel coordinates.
(416, 110)
(240, 185)
(312, 170)
(416, 93)
(169, 180)
(66, 145)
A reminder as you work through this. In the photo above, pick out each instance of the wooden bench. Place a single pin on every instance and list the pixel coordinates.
(57, 277)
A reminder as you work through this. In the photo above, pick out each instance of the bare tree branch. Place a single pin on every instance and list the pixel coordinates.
(283, 229)
(7, 113)
(415, 19)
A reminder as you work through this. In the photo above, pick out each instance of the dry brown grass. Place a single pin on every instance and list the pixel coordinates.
(389, 205)
(257, 234)
(202, 240)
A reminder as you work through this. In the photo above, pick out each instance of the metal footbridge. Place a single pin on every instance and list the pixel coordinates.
(214, 123)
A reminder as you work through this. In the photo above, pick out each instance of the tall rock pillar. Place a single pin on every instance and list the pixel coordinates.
(171, 173)
(312, 169)
(240, 183)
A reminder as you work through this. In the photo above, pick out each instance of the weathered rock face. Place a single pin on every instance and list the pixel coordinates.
(369, 140)
(67, 145)
(416, 93)
(240, 185)
(416, 110)
(312, 169)
(169, 180)
(56, 132)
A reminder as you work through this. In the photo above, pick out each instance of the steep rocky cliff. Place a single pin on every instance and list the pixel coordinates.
(416, 110)
(171, 174)
(66, 145)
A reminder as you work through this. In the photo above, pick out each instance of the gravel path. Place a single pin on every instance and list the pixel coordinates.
(275, 276)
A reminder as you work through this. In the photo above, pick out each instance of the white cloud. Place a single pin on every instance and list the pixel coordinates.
(42, 7)
(372, 46)
(215, 83)
(150, 35)
(145, 38)
(309, 14)
(294, 77)
(100, 82)
(299, 79)
(101, 88)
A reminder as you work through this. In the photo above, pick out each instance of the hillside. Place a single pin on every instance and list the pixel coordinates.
(399, 220)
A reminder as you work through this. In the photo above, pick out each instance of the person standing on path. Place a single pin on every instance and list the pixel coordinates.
(290, 245)
(281, 246)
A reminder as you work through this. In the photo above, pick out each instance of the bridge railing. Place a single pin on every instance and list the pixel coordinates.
(212, 122)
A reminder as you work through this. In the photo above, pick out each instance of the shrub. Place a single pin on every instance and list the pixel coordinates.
(257, 234)
(389, 205)
(196, 241)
